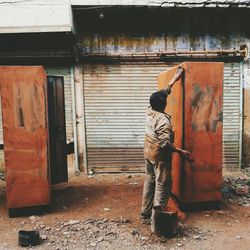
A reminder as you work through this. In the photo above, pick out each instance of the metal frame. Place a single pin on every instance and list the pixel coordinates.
(183, 54)
(76, 164)
(241, 115)
(80, 119)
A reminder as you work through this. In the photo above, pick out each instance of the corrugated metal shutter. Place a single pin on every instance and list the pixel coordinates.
(231, 116)
(65, 72)
(115, 98)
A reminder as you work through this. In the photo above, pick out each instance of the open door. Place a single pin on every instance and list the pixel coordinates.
(195, 105)
(57, 130)
(24, 109)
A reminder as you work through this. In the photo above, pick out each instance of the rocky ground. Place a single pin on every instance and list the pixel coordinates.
(102, 212)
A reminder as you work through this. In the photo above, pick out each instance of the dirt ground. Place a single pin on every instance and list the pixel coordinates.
(102, 212)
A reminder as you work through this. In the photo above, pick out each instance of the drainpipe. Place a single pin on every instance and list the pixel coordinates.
(241, 116)
(72, 81)
(80, 121)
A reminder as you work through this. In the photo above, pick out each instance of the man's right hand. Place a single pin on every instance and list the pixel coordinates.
(178, 73)
(176, 77)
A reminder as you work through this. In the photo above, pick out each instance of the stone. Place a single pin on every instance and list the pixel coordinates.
(100, 239)
(93, 244)
(244, 190)
(197, 237)
(71, 222)
(43, 237)
(134, 183)
(33, 218)
(134, 232)
(238, 237)
(106, 209)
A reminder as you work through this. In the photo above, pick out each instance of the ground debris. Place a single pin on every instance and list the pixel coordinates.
(237, 190)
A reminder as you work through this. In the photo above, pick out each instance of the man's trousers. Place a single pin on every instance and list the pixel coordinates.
(157, 186)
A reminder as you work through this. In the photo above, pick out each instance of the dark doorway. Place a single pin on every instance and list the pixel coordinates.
(57, 130)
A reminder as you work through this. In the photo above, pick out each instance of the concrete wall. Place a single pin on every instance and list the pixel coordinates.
(18, 16)
(143, 29)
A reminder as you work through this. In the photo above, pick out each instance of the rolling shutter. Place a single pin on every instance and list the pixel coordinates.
(231, 116)
(115, 99)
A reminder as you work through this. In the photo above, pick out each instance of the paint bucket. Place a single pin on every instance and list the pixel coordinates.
(28, 238)
(164, 222)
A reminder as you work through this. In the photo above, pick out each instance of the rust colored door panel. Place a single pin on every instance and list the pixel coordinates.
(200, 127)
(24, 109)
(203, 130)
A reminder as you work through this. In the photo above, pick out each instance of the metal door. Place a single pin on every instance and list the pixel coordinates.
(57, 130)
(24, 109)
(196, 107)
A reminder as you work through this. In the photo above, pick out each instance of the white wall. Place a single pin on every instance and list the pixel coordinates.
(166, 3)
(18, 16)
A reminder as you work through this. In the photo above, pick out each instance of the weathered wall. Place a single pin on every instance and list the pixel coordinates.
(144, 29)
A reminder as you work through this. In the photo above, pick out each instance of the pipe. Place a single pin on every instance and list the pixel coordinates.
(80, 122)
(170, 54)
(76, 165)
(241, 116)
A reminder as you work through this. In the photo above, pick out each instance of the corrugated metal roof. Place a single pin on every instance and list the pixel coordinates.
(170, 3)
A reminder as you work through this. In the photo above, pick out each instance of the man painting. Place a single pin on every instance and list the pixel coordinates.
(158, 149)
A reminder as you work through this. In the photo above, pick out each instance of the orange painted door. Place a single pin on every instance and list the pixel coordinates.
(196, 109)
(24, 109)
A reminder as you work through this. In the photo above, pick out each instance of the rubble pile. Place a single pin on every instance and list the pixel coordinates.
(237, 190)
(116, 233)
